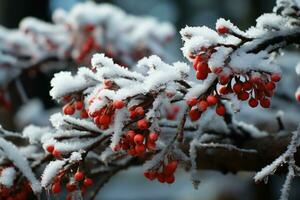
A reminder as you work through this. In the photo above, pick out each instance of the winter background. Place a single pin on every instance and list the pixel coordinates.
(131, 184)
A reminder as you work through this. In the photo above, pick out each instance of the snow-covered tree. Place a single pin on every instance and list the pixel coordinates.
(151, 113)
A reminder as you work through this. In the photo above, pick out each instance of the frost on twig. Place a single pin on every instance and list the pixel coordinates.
(286, 158)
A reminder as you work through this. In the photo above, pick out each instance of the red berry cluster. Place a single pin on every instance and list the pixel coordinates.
(198, 106)
(51, 149)
(14, 193)
(79, 180)
(164, 173)
(104, 117)
(137, 143)
(72, 104)
(255, 89)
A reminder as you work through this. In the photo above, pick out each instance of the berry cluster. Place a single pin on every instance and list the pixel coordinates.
(15, 193)
(137, 143)
(51, 149)
(255, 89)
(78, 180)
(200, 105)
(73, 104)
(137, 140)
(164, 173)
(104, 117)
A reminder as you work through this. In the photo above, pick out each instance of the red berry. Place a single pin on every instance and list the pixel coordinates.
(237, 87)
(247, 86)
(170, 179)
(142, 124)
(70, 187)
(220, 110)
(68, 110)
(131, 134)
(201, 75)
(118, 104)
(50, 148)
(265, 103)
(170, 168)
(224, 90)
(275, 77)
(104, 120)
(140, 148)
(153, 136)
(270, 86)
(202, 105)
(139, 111)
(194, 114)
(150, 175)
(56, 188)
(243, 96)
(202, 66)
(138, 139)
(132, 152)
(84, 114)
(151, 145)
(161, 177)
(224, 80)
(79, 105)
(222, 29)
(79, 176)
(56, 153)
(196, 61)
(192, 101)
(212, 100)
(88, 182)
(253, 102)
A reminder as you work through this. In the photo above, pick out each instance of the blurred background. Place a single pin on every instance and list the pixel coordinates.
(131, 184)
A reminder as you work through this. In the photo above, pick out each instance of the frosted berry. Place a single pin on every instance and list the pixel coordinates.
(222, 29)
